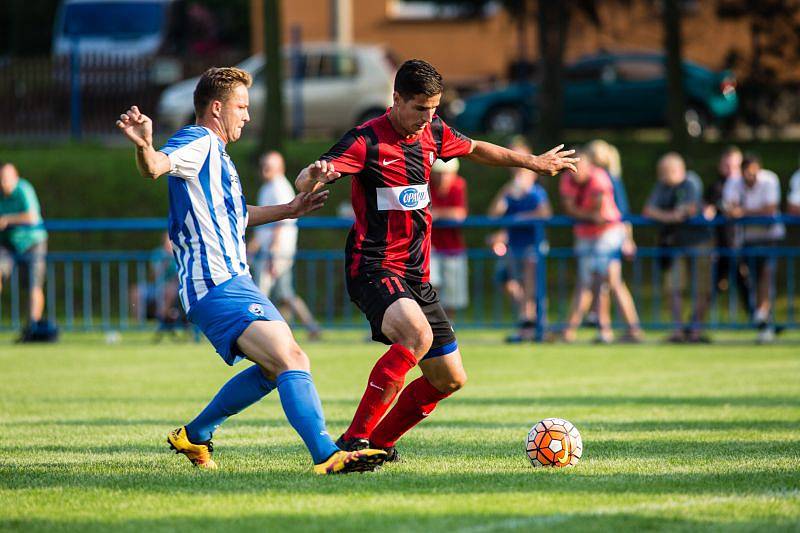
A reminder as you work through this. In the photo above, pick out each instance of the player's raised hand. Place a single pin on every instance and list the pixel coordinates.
(137, 127)
(554, 161)
(306, 202)
(323, 172)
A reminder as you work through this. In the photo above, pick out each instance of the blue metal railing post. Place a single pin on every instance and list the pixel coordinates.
(51, 292)
(541, 285)
(69, 294)
(15, 304)
(87, 294)
(122, 276)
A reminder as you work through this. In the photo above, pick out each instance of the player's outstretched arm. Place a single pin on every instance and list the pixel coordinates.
(138, 128)
(315, 176)
(549, 163)
(302, 204)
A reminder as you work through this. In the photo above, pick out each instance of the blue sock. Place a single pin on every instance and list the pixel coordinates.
(304, 410)
(241, 391)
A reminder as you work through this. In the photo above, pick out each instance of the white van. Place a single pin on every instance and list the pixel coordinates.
(340, 86)
(123, 28)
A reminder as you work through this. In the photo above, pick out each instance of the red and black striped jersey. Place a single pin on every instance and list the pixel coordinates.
(390, 193)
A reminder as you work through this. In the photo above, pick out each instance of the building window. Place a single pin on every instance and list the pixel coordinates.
(422, 10)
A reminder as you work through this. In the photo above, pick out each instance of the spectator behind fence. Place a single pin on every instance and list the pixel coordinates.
(758, 193)
(588, 196)
(277, 243)
(729, 169)
(605, 156)
(157, 298)
(686, 249)
(23, 239)
(449, 252)
(793, 198)
(522, 198)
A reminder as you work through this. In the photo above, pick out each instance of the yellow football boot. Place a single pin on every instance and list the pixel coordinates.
(343, 462)
(198, 454)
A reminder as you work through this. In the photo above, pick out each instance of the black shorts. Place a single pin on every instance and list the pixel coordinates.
(373, 293)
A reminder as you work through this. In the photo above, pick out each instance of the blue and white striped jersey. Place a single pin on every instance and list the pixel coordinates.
(207, 213)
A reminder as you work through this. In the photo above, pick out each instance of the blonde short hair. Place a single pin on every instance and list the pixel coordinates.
(605, 156)
(217, 83)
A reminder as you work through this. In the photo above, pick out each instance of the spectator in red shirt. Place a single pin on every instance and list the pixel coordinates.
(449, 253)
(588, 196)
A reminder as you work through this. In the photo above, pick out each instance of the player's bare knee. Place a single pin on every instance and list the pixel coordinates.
(294, 358)
(300, 360)
(418, 340)
(451, 383)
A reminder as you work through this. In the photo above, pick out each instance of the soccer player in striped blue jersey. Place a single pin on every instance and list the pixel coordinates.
(208, 216)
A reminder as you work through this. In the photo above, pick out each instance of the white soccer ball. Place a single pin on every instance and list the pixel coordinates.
(554, 442)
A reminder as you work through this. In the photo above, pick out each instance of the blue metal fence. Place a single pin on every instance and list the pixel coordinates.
(93, 290)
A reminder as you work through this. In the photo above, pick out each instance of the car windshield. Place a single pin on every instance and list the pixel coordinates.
(113, 19)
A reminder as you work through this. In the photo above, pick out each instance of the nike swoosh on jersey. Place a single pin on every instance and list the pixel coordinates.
(371, 384)
(390, 161)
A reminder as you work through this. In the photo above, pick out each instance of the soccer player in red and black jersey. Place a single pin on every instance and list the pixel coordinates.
(388, 249)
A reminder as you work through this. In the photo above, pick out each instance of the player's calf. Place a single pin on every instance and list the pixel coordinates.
(444, 371)
(384, 383)
(443, 374)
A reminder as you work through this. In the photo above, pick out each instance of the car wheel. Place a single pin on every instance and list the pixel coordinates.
(504, 120)
(696, 121)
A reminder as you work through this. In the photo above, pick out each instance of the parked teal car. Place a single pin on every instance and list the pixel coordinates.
(605, 91)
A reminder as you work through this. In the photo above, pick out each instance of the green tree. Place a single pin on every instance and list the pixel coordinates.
(273, 120)
(676, 97)
(767, 87)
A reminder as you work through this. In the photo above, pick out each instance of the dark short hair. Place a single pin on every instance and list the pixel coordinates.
(217, 83)
(416, 76)
(730, 150)
(750, 159)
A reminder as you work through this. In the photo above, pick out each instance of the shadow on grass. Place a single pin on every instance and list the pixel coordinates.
(523, 401)
(685, 450)
(145, 467)
(625, 518)
(279, 422)
(627, 401)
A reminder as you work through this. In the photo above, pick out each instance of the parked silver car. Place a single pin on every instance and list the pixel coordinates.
(339, 87)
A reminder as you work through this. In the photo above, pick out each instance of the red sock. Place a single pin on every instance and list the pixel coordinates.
(418, 400)
(385, 381)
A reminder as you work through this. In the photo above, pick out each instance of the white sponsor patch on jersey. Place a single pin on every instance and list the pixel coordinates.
(403, 198)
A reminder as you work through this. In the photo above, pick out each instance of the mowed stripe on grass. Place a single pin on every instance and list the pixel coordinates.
(676, 438)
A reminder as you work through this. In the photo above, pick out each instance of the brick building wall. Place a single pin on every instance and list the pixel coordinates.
(473, 49)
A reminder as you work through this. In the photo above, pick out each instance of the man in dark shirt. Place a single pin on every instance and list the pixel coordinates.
(388, 249)
(676, 198)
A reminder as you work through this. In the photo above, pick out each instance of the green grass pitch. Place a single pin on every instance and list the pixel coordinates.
(676, 438)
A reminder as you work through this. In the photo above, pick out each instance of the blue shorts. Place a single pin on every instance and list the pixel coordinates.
(225, 312)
